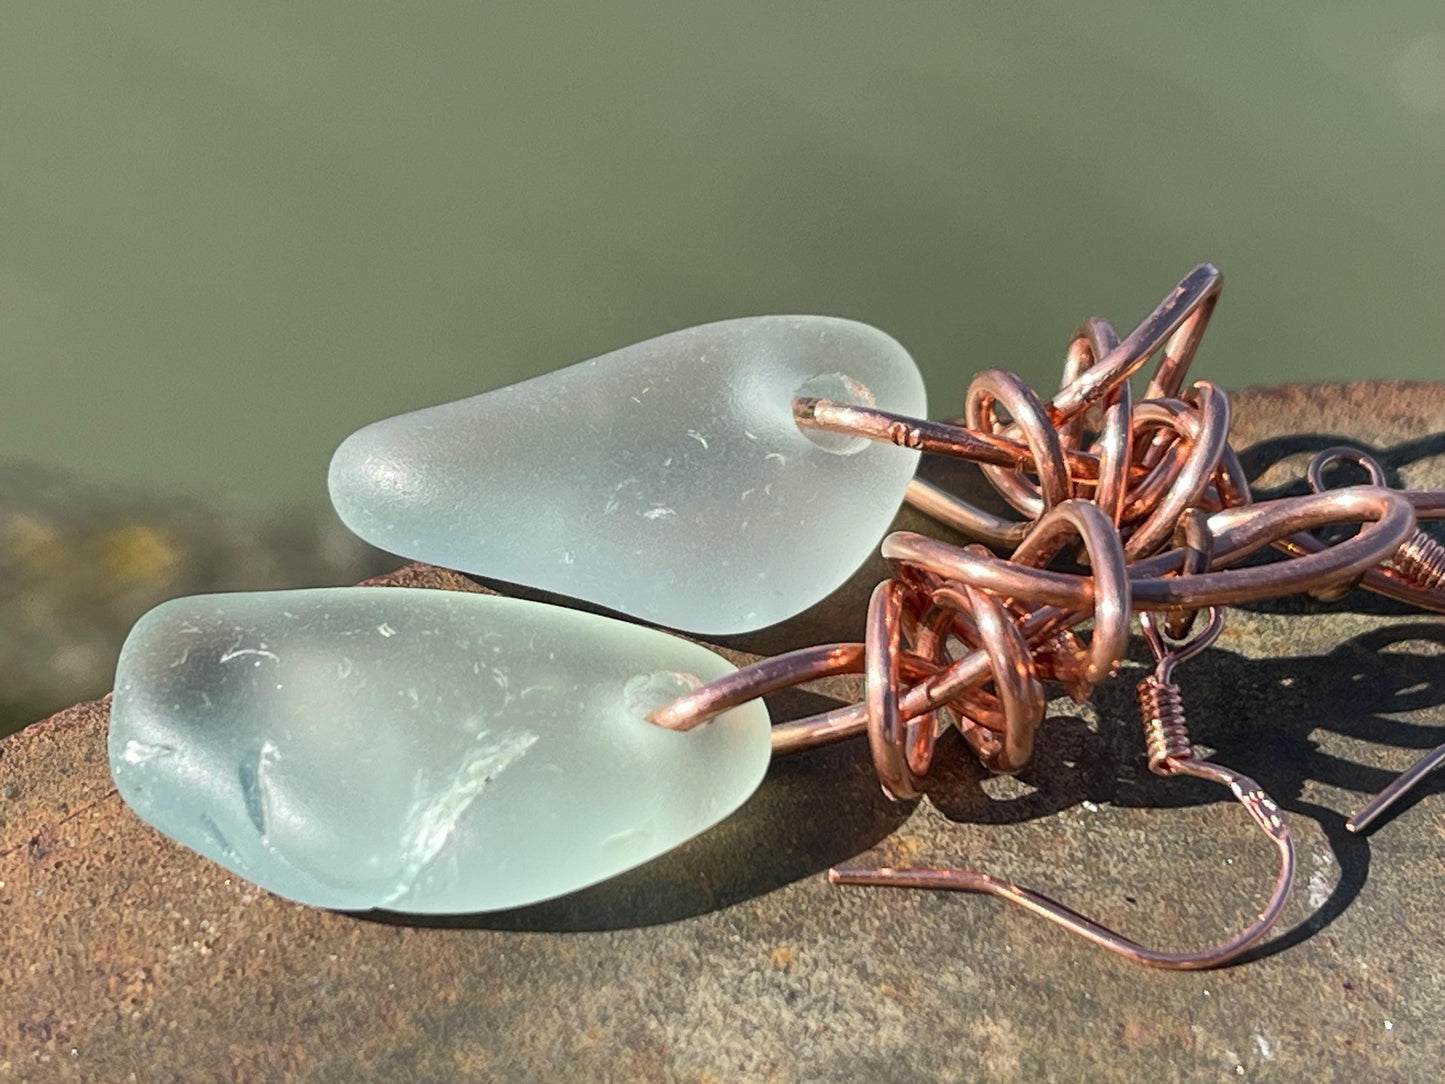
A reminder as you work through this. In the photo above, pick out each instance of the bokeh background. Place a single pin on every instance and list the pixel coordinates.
(230, 234)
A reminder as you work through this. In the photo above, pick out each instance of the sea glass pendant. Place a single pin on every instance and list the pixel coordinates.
(666, 480)
(423, 751)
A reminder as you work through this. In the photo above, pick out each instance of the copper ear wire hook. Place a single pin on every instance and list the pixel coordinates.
(1170, 753)
(1420, 561)
(1405, 782)
(1166, 738)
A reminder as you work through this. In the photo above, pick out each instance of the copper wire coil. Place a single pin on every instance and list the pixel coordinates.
(1421, 561)
(1166, 735)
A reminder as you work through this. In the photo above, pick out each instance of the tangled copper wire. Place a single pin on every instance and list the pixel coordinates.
(1148, 507)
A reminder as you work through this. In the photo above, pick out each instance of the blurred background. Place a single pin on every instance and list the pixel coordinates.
(231, 234)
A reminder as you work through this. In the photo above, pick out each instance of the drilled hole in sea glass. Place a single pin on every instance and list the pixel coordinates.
(645, 693)
(841, 389)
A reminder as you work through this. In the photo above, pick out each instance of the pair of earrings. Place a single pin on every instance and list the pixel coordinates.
(429, 751)
(438, 752)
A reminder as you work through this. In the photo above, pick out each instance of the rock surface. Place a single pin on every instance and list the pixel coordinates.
(128, 957)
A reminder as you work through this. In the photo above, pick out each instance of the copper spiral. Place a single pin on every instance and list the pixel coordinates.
(1421, 561)
(1166, 734)
(1416, 571)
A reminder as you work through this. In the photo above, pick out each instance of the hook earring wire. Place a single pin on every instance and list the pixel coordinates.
(1170, 753)
(1418, 566)
(1371, 811)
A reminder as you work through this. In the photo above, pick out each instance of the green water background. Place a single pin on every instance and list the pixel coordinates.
(232, 233)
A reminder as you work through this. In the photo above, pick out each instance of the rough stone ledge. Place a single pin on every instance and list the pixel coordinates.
(127, 957)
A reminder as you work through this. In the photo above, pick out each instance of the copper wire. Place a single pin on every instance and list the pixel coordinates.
(1420, 561)
(1150, 501)
(1166, 737)
(1170, 753)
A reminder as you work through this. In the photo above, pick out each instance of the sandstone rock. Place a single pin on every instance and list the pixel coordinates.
(732, 959)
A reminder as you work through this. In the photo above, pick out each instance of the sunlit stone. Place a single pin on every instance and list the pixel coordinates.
(666, 480)
(423, 751)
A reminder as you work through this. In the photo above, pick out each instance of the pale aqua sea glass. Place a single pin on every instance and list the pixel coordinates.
(666, 480)
(419, 750)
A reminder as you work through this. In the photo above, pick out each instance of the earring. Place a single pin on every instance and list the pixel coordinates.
(666, 480)
(433, 752)
(425, 751)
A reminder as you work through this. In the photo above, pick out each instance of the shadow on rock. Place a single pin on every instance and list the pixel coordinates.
(1261, 717)
(1259, 458)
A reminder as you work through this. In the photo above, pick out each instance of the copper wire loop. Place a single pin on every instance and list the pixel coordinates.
(1130, 508)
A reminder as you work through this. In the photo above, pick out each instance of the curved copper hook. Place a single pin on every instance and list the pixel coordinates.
(1175, 759)
(1031, 420)
(1415, 573)
(1257, 804)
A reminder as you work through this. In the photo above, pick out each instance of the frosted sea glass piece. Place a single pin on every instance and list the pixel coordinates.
(418, 750)
(666, 480)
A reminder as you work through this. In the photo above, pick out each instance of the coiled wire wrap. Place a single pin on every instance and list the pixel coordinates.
(1166, 735)
(1421, 561)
